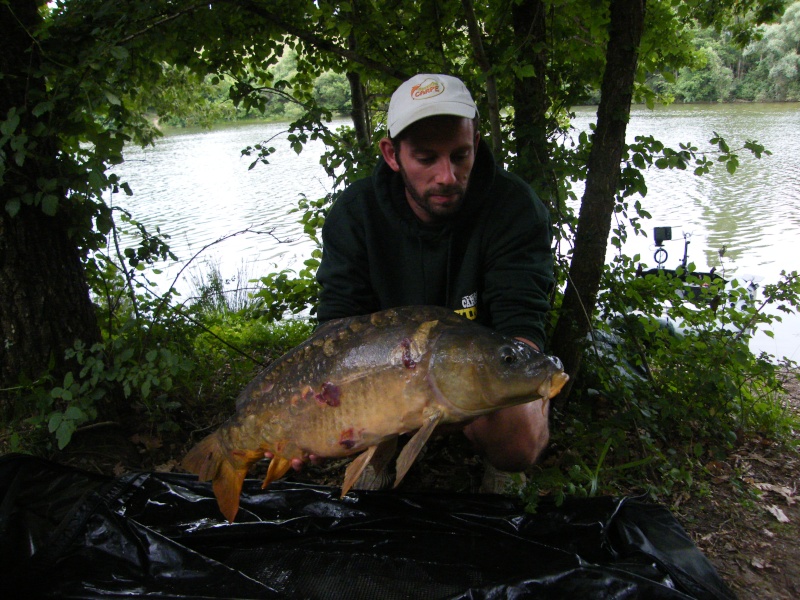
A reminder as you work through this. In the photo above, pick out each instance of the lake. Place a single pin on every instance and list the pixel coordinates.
(197, 187)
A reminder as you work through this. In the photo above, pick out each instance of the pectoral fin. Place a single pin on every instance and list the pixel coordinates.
(412, 449)
(355, 468)
(278, 466)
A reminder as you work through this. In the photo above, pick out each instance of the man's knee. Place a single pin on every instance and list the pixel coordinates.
(512, 439)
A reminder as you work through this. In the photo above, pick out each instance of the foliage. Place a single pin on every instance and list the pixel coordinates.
(171, 365)
(650, 399)
(669, 384)
(763, 66)
(776, 58)
(229, 352)
(148, 379)
(212, 294)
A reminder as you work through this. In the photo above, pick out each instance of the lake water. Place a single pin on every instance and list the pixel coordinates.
(197, 188)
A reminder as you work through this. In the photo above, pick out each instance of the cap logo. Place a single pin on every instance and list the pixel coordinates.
(427, 89)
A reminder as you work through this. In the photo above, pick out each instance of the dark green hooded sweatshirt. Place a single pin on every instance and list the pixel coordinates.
(492, 262)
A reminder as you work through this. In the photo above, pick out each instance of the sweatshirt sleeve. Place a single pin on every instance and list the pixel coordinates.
(343, 273)
(519, 270)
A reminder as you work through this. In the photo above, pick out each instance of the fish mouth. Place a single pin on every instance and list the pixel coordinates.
(552, 386)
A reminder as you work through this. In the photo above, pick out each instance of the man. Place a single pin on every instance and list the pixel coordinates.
(439, 223)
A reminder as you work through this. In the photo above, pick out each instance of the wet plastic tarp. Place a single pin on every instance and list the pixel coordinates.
(65, 533)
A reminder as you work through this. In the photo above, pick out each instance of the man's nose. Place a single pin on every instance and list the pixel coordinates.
(445, 172)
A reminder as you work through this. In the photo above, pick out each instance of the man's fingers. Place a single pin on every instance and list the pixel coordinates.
(299, 463)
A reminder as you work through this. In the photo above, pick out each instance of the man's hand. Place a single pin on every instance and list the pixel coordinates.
(530, 343)
(299, 463)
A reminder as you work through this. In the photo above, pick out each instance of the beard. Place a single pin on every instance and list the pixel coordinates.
(438, 211)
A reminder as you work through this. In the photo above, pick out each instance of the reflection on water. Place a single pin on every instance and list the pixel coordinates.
(197, 187)
(754, 216)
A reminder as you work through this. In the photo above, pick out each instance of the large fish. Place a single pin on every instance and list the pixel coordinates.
(361, 381)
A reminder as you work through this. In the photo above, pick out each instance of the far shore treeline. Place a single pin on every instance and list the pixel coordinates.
(765, 70)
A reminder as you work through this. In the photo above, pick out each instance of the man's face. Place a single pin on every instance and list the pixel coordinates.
(435, 160)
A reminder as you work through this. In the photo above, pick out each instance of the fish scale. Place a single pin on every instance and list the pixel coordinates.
(360, 381)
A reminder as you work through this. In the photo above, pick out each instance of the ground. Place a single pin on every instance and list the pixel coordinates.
(748, 523)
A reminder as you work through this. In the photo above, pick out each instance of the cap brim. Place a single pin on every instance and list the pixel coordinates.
(454, 109)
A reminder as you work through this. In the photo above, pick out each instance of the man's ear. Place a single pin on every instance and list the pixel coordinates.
(388, 153)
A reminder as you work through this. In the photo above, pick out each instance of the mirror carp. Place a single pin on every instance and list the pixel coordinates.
(360, 381)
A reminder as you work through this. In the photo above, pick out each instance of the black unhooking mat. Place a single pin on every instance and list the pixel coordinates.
(65, 533)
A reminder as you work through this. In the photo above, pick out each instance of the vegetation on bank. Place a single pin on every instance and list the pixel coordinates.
(650, 408)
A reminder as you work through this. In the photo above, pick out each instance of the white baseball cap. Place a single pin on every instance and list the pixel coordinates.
(427, 95)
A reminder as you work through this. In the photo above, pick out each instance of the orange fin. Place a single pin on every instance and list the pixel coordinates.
(278, 467)
(227, 470)
(204, 459)
(412, 449)
(355, 468)
(227, 488)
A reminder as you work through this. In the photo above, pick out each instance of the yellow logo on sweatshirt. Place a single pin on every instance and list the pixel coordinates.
(470, 304)
(470, 313)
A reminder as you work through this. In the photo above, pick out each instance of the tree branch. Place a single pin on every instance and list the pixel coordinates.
(491, 81)
(321, 43)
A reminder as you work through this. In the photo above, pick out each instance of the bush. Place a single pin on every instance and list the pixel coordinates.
(668, 385)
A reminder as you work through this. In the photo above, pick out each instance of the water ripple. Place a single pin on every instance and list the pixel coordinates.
(197, 188)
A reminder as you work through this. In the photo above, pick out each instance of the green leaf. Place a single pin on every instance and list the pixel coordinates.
(55, 421)
(49, 205)
(64, 433)
(113, 98)
(525, 71)
(42, 108)
(8, 126)
(73, 413)
(119, 52)
(13, 206)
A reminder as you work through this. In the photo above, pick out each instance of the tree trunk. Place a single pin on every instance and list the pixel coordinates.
(44, 297)
(531, 103)
(597, 206)
(359, 113)
(482, 59)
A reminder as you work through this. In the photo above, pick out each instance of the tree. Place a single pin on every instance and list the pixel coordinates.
(711, 83)
(77, 84)
(626, 24)
(45, 303)
(778, 51)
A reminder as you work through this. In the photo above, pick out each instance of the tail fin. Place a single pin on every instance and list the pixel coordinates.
(227, 470)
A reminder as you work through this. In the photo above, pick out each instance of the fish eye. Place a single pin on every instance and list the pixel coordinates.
(508, 356)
